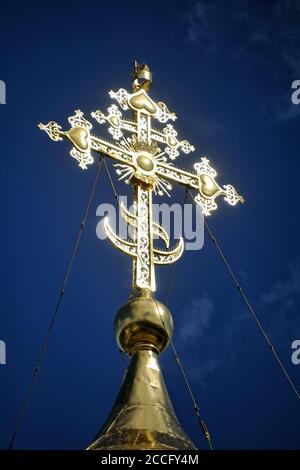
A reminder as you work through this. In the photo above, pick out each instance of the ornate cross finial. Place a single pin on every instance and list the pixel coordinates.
(144, 159)
(141, 77)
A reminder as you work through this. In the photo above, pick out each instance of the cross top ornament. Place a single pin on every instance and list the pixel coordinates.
(145, 160)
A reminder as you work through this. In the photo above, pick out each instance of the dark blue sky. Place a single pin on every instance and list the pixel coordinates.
(226, 69)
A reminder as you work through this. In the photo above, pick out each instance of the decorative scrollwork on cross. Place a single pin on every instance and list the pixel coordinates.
(144, 157)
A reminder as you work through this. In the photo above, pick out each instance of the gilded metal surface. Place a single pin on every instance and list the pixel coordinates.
(141, 76)
(142, 417)
(149, 168)
(143, 321)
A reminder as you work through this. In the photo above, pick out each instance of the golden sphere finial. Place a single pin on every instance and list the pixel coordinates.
(143, 323)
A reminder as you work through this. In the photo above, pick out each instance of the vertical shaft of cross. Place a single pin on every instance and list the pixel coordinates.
(145, 275)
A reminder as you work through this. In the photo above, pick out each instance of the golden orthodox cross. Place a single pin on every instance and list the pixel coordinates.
(145, 159)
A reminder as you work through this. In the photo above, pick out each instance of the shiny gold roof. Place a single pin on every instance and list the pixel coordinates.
(142, 416)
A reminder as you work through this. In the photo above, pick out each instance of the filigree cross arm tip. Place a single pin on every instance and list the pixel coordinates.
(83, 143)
(209, 189)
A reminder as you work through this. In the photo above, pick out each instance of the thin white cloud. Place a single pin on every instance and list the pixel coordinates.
(192, 330)
(288, 112)
(242, 31)
(283, 289)
(278, 309)
(195, 319)
(280, 304)
(240, 28)
(202, 370)
(207, 126)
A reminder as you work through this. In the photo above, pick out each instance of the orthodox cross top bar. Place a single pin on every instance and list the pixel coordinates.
(144, 159)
